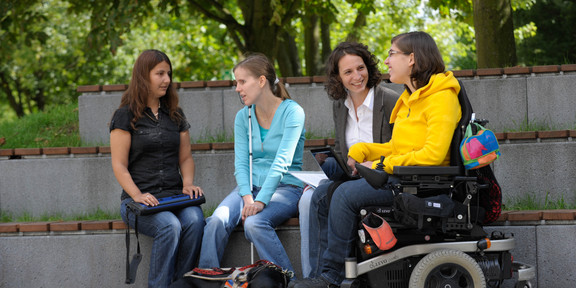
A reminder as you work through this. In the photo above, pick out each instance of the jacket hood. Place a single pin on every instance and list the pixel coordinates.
(438, 82)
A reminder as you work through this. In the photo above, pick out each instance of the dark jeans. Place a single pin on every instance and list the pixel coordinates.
(177, 239)
(333, 230)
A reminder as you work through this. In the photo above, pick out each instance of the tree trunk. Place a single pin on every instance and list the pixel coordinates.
(287, 57)
(326, 48)
(494, 31)
(262, 35)
(14, 104)
(311, 41)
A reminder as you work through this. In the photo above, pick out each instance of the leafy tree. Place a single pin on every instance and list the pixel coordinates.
(493, 28)
(54, 46)
(552, 40)
(21, 29)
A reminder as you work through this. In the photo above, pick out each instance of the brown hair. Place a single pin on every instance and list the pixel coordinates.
(334, 86)
(136, 95)
(259, 65)
(427, 58)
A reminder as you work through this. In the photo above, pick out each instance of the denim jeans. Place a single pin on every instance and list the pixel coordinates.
(334, 225)
(177, 236)
(304, 217)
(332, 169)
(258, 229)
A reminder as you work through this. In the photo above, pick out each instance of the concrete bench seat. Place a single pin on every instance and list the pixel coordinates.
(506, 218)
(92, 253)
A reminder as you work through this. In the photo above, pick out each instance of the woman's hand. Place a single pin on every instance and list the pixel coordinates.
(367, 164)
(193, 190)
(352, 164)
(147, 199)
(251, 207)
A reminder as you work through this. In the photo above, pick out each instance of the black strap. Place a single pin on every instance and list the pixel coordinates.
(132, 267)
(333, 186)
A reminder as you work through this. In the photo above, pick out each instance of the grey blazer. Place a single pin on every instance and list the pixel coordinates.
(384, 102)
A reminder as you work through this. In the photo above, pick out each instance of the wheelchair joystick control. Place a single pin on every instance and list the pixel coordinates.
(380, 165)
(377, 178)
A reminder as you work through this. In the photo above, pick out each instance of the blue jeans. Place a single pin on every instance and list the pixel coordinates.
(304, 217)
(334, 225)
(177, 236)
(332, 170)
(258, 229)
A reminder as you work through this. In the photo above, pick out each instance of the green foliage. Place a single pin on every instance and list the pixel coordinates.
(209, 137)
(51, 47)
(55, 127)
(99, 214)
(549, 32)
(530, 201)
(534, 125)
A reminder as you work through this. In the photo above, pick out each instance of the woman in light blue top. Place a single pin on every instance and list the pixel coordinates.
(266, 195)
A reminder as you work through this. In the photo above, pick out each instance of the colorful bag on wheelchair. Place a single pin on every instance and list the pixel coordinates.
(478, 149)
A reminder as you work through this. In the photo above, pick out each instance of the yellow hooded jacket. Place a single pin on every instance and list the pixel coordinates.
(424, 123)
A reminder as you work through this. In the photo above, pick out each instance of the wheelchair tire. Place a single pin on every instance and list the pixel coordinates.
(447, 268)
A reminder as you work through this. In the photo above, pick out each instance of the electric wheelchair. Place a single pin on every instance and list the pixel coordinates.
(442, 247)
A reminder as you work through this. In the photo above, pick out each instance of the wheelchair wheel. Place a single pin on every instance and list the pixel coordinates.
(447, 268)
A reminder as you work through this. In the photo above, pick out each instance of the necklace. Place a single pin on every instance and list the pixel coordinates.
(158, 111)
(156, 117)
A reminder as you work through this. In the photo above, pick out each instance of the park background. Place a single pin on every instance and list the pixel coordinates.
(65, 60)
(51, 47)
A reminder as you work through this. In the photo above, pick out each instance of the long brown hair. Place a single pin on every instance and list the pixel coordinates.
(427, 58)
(136, 96)
(334, 86)
(259, 65)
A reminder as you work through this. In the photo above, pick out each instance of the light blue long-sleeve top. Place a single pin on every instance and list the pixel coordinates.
(281, 150)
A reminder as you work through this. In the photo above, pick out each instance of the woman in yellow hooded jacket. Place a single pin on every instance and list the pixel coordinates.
(425, 117)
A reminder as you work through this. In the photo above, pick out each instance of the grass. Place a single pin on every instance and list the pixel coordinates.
(57, 126)
(209, 137)
(541, 125)
(99, 214)
(530, 201)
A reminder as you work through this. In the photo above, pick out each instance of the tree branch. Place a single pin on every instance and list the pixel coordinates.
(234, 28)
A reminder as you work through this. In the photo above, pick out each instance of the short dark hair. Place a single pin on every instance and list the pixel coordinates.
(334, 86)
(427, 58)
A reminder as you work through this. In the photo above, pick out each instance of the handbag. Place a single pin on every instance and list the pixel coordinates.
(478, 148)
(261, 274)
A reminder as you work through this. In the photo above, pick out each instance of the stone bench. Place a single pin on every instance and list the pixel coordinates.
(92, 253)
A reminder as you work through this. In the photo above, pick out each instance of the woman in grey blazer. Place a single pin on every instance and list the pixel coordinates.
(361, 111)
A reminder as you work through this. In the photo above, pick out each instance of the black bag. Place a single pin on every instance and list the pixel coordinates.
(262, 274)
(410, 210)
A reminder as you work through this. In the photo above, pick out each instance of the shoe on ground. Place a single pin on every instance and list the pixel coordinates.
(311, 283)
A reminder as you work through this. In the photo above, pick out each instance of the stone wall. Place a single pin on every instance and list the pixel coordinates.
(509, 98)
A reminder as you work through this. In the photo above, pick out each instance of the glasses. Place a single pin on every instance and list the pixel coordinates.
(392, 52)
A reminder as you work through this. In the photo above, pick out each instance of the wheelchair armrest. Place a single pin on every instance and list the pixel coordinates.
(426, 170)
